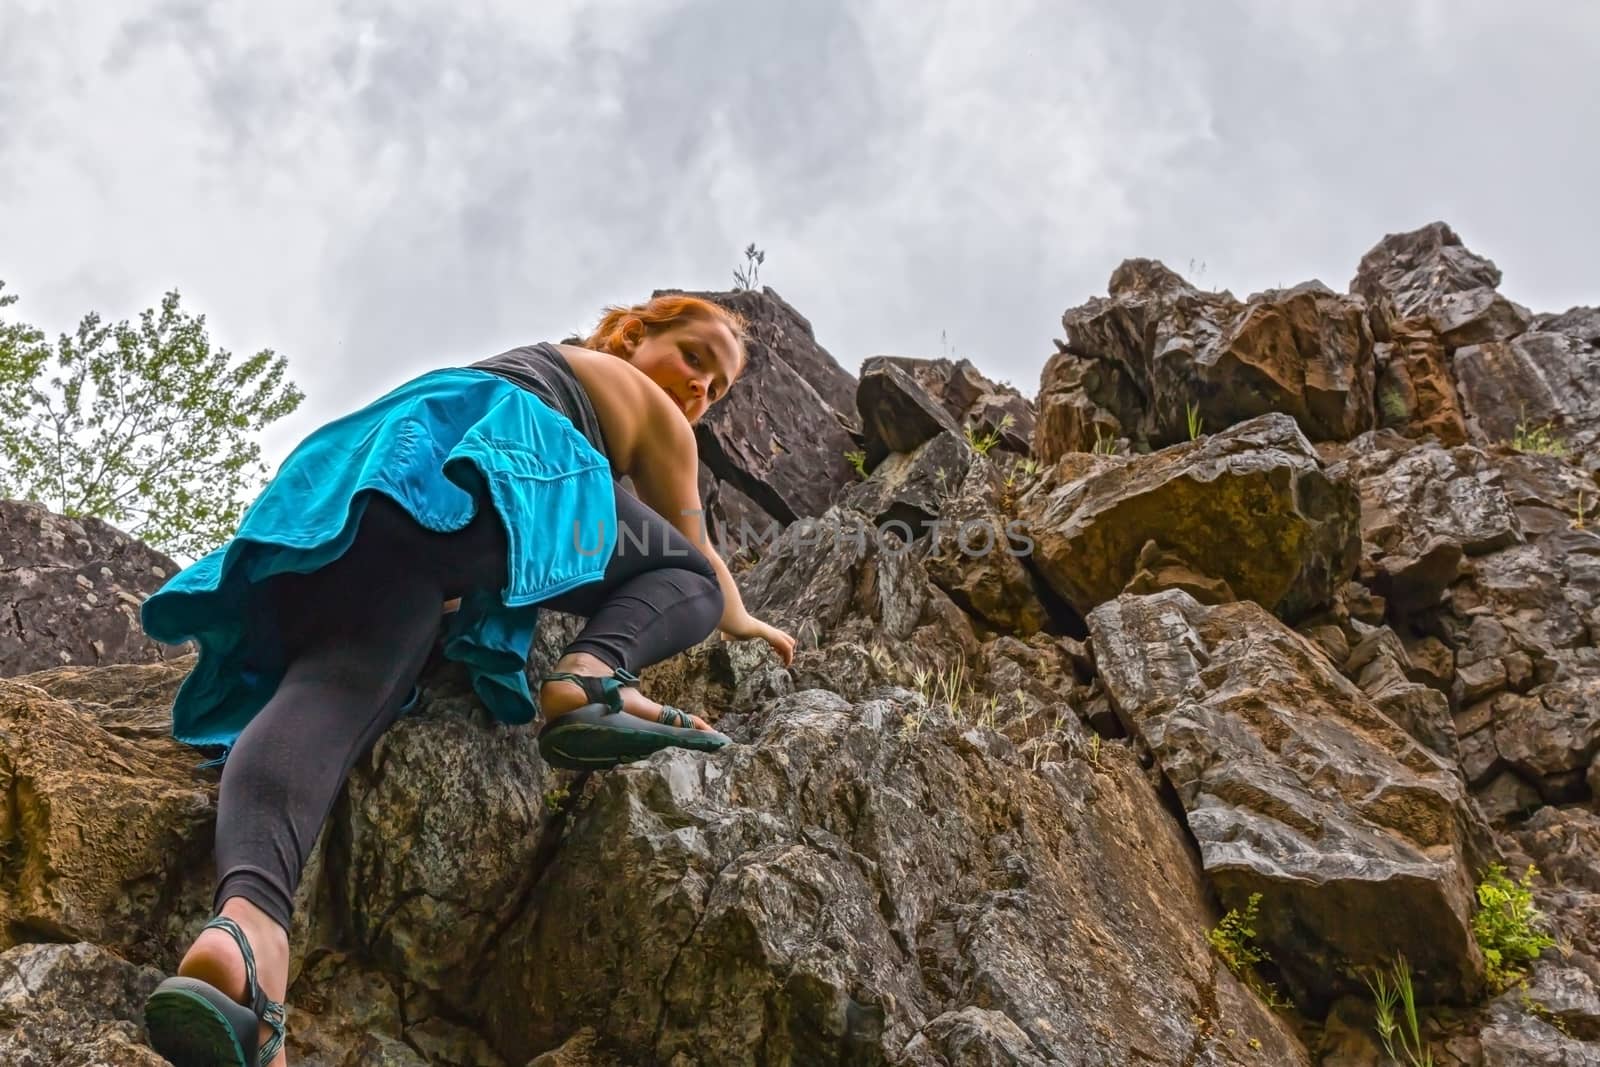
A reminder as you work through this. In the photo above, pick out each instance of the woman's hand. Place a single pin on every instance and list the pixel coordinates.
(750, 627)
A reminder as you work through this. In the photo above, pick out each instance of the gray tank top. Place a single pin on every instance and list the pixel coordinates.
(542, 370)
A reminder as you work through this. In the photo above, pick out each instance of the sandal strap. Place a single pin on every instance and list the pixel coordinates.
(599, 689)
(672, 716)
(271, 1012)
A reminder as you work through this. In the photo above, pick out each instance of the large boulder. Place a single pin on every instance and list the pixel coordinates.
(1361, 841)
(1428, 277)
(1424, 511)
(70, 591)
(106, 818)
(1251, 506)
(871, 883)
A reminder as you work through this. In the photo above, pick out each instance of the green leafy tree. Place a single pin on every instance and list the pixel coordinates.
(143, 424)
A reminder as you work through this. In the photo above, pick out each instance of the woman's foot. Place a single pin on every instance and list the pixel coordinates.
(558, 698)
(214, 958)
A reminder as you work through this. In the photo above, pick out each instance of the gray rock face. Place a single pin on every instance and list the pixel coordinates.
(888, 936)
(897, 414)
(1294, 785)
(70, 591)
(1424, 510)
(913, 487)
(73, 1005)
(1542, 380)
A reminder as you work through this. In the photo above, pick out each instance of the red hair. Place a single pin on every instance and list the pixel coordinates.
(661, 314)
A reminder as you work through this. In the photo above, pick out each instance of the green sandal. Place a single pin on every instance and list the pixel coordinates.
(195, 1024)
(601, 735)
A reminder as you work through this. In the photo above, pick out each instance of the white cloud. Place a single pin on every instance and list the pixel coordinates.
(376, 188)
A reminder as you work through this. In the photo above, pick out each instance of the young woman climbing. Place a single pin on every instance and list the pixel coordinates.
(495, 486)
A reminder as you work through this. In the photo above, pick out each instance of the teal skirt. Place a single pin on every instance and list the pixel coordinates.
(441, 446)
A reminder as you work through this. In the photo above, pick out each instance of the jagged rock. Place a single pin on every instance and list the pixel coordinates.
(1551, 735)
(70, 591)
(1006, 417)
(73, 1005)
(912, 487)
(443, 825)
(897, 413)
(1565, 843)
(1423, 510)
(781, 435)
(1506, 795)
(1549, 495)
(774, 898)
(955, 385)
(1361, 841)
(341, 1009)
(1250, 506)
(1429, 276)
(1159, 347)
(1069, 420)
(1415, 391)
(735, 522)
(838, 578)
(1380, 665)
(109, 834)
(1537, 380)
(1553, 1023)
(580, 1050)
(978, 555)
(1545, 592)
(1159, 569)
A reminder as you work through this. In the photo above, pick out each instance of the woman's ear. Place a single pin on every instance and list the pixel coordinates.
(632, 334)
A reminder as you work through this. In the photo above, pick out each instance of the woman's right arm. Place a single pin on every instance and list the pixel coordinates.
(667, 481)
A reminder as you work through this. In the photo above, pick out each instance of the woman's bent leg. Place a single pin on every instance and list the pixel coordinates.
(357, 633)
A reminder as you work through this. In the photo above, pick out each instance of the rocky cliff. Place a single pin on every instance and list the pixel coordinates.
(1284, 606)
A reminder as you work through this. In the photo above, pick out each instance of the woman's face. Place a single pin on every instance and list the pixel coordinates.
(695, 362)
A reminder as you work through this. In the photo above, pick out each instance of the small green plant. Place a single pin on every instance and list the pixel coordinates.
(744, 278)
(1508, 928)
(1540, 440)
(1577, 523)
(1233, 939)
(982, 443)
(1104, 444)
(1392, 403)
(1196, 423)
(554, 798)
(1390, 991)
(858, 462)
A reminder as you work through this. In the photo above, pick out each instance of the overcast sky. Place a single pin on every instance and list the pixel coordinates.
(377, 189)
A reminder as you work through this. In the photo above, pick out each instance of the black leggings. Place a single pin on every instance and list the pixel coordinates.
(357, 635)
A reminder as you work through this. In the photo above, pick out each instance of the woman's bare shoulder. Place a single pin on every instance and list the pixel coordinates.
(631, 408)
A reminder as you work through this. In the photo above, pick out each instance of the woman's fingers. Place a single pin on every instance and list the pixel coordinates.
(782, 644)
